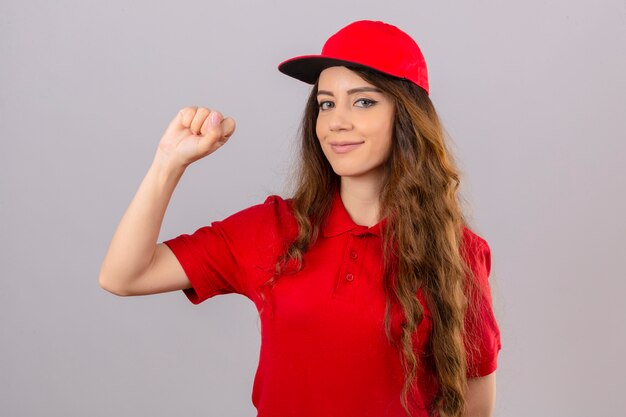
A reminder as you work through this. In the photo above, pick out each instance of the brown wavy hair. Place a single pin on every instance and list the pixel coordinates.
(422, 239)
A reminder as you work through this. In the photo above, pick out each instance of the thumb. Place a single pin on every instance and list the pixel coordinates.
(228, 127)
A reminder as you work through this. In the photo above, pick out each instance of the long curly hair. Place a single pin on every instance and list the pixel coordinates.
(422, 239)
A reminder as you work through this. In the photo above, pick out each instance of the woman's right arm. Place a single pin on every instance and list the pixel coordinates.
(135, 264)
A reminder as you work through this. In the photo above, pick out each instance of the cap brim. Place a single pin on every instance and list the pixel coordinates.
(307, 68)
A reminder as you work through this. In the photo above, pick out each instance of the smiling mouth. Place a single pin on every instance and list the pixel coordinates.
(344, 148)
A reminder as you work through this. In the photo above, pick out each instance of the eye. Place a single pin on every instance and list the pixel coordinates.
(366, 102)
(324, 105)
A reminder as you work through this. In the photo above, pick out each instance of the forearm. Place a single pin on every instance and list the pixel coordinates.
(134, 241)
(481, 396)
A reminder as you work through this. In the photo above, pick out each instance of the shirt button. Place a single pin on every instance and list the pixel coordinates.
(349, 277)
(353, 255)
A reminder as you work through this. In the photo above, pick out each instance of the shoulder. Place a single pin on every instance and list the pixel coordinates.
(278, 207)
(471, 240)
(476, 252)
(274, 205)
(273, 216)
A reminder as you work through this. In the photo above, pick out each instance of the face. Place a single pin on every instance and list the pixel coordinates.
(354, 123)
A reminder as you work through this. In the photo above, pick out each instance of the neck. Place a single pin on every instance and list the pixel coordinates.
(361, 198)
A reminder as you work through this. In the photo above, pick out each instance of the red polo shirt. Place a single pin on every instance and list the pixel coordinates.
(323, 347)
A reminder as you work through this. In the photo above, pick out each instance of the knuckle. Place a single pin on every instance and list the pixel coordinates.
(187, 111)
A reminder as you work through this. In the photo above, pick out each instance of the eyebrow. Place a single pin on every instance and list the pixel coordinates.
(351, 91)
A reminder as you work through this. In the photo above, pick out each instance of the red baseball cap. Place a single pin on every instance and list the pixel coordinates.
(364, 43)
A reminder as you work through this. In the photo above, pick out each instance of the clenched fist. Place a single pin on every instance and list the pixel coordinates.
(194, 133)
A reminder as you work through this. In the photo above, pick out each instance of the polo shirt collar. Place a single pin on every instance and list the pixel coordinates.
(339, 221)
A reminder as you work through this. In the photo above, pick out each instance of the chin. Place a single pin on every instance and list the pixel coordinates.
(351, 171)
(343, 171)
(347, 172)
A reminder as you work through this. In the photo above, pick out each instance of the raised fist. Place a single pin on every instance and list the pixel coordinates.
(194, 133)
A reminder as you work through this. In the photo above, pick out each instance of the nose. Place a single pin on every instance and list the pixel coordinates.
(339, 119)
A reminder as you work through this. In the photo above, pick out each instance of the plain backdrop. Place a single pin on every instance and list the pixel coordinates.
(532, 95)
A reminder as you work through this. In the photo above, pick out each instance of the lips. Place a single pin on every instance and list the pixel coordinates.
(344, 147)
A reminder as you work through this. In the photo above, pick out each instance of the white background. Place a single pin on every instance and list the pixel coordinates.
(532, 95)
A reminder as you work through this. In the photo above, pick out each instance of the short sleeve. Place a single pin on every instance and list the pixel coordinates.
(217, 258)
(482, 340)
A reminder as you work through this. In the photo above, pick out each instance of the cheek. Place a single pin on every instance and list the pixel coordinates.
(389, 136)
(389, 128)
(319, 128)
(320, 134)
(384, 133)
(385, 137)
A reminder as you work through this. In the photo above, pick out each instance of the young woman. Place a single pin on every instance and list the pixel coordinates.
(372, 290)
